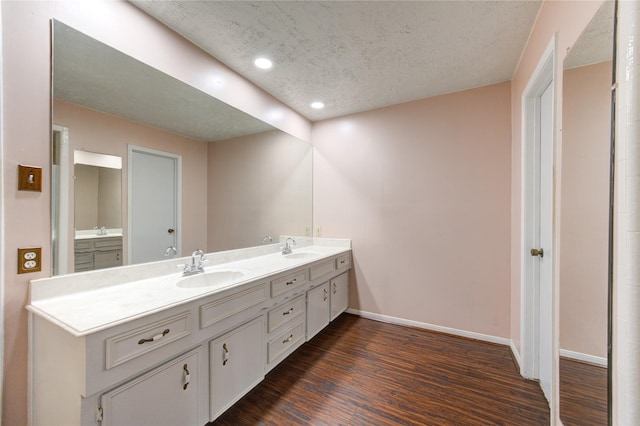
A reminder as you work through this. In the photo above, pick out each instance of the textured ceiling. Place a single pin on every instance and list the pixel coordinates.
(357, 56)
(94, 75)
(595, 44)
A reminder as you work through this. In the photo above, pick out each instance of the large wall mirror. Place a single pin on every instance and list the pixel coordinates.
(586, 139)
(238, 179)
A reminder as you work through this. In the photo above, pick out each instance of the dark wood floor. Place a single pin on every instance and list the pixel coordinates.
(583, 394)
(363, 372)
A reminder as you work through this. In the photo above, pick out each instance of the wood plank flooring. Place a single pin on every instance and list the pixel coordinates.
(363, 372)
(583, 393)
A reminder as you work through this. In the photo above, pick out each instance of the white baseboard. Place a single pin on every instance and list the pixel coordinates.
(589, 359)
(516, 356)
(427, 326)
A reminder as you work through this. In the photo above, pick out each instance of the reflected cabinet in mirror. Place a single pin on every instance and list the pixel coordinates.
(228, 180)
(586, 139)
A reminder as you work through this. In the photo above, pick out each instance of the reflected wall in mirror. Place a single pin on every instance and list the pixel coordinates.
(586, 138)
(105, 101)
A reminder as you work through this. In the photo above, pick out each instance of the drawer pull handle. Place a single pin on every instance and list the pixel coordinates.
(335, 288)
(225, 355)
(291, 282)
(326, 293)
(342, 262)
(187, 377)
(287, 312)
(288, 339)
(154, 338)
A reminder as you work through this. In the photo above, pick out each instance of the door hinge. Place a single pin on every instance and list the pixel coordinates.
(99, 414)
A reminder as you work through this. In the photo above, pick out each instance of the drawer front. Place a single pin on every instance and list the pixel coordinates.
(223, 308)
(321, 268)
(285, 341)
(285, 313)
(107, 243)
(286, 283)
(126, 346)
(343, 261)
(83, 244)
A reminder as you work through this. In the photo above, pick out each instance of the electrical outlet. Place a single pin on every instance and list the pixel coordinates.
(29, 260)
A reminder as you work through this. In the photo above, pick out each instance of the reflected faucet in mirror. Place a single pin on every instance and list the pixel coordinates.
(171, 251)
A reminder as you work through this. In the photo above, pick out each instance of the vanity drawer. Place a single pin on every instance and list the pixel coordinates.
(82, 245)
(225, 307)
(107, 243)
(285, 341)
(131, 344)
(322, 268)
(286, 283)
(343, 261)
(284, 313)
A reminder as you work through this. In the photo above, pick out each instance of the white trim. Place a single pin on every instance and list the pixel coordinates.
(586, 358)
(61, 183)
(2, 227)
(433, 327)
(516, 354)
(178, 159)
(540, 79)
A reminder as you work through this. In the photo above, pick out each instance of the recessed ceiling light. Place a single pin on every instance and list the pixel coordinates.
(263, 63)
(317, 105)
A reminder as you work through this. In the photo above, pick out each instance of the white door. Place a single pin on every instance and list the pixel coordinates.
(154, 204)
(545, 240)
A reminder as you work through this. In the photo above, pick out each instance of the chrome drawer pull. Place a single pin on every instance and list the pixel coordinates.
(288, 339)
(287, 312)
(187, 377)
(154, 338)
(225, 355)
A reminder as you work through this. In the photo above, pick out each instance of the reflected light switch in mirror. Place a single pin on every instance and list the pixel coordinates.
(29, 178)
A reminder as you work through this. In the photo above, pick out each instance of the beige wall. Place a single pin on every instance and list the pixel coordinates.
(94, 131)
(258, 186)
(586, 134)
(422, 189)
(26, 134)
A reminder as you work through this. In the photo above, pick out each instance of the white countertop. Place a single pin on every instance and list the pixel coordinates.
(85, 303)
(86, 234)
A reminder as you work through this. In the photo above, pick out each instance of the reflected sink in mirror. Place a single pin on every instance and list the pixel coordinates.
(210, 279)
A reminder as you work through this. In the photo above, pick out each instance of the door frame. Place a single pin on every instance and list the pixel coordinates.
(177, 159)
(544, 74)
(61, 210)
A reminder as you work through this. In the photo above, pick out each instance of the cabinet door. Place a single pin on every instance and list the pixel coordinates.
(318, 309)
(107, 259)
(168, 395)
(236, 364)
(339, 295)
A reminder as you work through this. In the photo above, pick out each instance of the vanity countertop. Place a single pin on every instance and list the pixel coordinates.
(92, 233)
(88, 302)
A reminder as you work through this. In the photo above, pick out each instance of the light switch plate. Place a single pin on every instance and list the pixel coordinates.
(29, 260)
(29, 178)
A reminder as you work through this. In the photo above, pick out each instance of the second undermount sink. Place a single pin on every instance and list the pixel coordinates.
(301, 255)
(210, 279)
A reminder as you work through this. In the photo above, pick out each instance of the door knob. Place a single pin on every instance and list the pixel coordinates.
(171, 230)
(537, 252)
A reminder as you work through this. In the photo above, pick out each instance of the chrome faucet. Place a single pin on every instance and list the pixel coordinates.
(195, 268)
(287, 248)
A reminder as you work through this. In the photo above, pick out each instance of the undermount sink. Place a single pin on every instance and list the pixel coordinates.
(209, 279)
(301, 255)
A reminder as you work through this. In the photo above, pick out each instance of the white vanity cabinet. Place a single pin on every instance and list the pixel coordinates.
(97, 253)
(236, 365)
(98, 359)
(168, 395)
(339, 294)
(318, 309)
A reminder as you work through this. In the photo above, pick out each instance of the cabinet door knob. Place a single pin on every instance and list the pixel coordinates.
(187, 377)
(225, 354)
